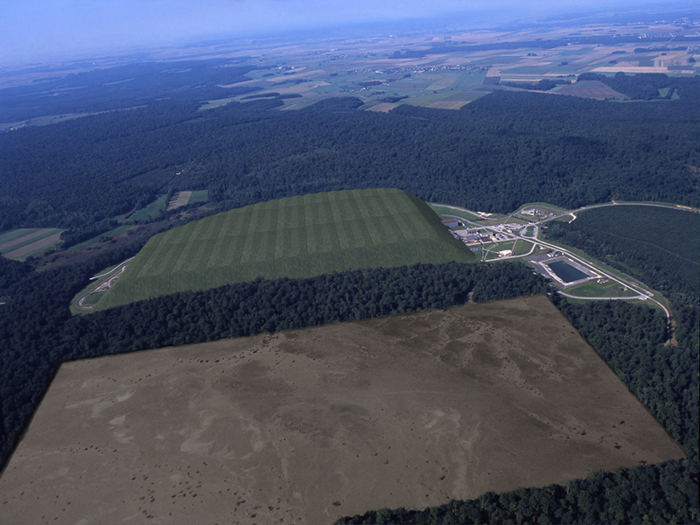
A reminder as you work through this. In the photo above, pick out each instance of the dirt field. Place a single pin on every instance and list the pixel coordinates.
(310, 425)
(179, 200)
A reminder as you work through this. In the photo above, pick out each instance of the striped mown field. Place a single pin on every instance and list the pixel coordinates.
(293, 237)
(25, 242)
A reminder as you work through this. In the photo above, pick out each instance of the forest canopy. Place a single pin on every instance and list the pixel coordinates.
(496, 153)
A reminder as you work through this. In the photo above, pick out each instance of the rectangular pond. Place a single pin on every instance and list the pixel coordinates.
(566, 272)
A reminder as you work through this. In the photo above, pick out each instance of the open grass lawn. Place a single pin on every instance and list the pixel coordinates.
(294, 237)
(593, 289)
(521, 247)
(94, 240)
(199, 196)
(149, 212)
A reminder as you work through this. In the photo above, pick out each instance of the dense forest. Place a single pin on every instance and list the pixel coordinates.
(501, 151)
(121, 87)
(658, 246)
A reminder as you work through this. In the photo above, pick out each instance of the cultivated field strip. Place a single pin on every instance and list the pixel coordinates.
(294, 237)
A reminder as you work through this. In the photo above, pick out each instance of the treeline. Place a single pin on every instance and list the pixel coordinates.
(658, 246)
(495, 154)
(630, 339)
(125, 86)
(543, 85)
(646, 86)
(37, 332)
(662, 493)
(75, 236)
(464, 47)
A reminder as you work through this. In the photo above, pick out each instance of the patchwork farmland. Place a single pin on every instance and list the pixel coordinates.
(294, 237)
(25, 242)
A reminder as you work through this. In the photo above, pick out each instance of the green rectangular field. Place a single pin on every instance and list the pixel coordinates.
(149, 212)
(199, 196)
(296, 237)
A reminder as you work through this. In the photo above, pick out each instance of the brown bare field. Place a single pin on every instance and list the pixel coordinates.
(179, 200)
(590, 89)
(448, 104)
(16, 254)
(24, 238)
(307, 426)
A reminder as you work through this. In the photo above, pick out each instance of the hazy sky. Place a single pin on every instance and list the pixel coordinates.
(39, 29)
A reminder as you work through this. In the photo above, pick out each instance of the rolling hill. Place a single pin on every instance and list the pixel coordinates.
(294, 237)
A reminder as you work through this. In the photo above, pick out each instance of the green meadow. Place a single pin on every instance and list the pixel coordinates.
(294, 237)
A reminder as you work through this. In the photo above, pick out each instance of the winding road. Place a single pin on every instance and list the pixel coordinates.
(641, 293)
(119, 269)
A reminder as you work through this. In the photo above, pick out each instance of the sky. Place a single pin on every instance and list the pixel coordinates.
(36, 30)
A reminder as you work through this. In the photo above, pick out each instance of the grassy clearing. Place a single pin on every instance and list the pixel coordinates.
(294, 237)
(593, 289)
(521, 247)
(151, 211)
(444, 209)
(199, 196)
(95, 240)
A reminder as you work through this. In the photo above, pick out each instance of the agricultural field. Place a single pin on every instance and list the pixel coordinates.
(183, 198)
(294, 237)
(450, 71)
(152, 211)
(28, 242)
(412, 410)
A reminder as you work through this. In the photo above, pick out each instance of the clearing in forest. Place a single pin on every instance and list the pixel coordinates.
(590, 89)
(295, 237)
(307, 426)
(24, 242)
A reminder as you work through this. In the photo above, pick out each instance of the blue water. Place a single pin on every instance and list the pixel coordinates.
(566, 272)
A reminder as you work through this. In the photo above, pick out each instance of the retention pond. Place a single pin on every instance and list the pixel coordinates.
(566, 272)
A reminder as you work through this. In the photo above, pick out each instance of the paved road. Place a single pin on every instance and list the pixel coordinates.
(78, 302)
(614, 203)
(641, 293)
